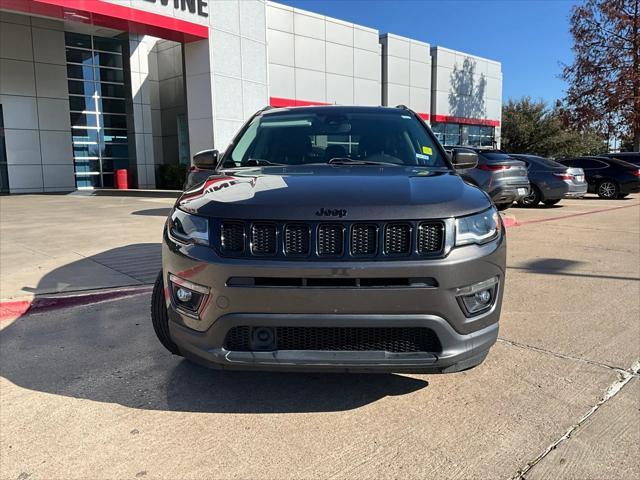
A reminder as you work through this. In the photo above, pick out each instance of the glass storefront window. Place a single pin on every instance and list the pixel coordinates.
(98, 110)
(450, 134)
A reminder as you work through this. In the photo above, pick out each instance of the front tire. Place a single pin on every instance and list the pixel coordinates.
(608, 190)
(531, 200)
(159, 316)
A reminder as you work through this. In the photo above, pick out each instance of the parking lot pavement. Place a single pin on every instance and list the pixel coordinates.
(88, 392)
(67, 243)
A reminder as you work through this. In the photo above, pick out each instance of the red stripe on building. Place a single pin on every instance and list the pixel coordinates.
(466, 121)
(292, 102)
(110, 15)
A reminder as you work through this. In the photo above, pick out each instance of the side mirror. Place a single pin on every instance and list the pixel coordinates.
(206, 159)
(464, 158)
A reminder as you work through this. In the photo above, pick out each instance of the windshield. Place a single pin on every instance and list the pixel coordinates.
(329, 137)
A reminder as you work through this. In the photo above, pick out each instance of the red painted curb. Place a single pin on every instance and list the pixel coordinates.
(571, 215)
(509, 222)
(12, 309)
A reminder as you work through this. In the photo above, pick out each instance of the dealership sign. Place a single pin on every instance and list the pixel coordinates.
(193, 6)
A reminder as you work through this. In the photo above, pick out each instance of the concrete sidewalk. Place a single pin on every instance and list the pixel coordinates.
(69, 243)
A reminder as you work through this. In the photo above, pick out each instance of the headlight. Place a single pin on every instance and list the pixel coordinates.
(479, 228)
(186, 228)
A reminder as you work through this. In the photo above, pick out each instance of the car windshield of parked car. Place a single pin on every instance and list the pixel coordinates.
(338, 138)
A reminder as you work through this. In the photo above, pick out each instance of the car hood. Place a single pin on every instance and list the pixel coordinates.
(334, 192)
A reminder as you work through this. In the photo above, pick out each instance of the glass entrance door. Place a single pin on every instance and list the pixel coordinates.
(97, 101)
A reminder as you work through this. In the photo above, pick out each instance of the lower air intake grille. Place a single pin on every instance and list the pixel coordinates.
(330, 240)
(397, 239)
(430, 237)
(232, 237)
(364, 240)
(263, 239)
(296, 240)
(392, 339)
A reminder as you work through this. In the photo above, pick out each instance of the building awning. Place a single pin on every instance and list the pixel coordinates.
(112, 15)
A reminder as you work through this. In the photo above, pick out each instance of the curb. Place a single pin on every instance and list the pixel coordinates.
(13, 309)
(509, 221)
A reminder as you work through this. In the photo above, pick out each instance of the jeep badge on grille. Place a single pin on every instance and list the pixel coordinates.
(331, 212)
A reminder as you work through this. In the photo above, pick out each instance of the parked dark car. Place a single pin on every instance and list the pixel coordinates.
(332, 238)
(502, 177)
(608, 177)
(551, 181)
(631, 157)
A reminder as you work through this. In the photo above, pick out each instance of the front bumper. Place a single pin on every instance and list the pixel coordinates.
(464, 341)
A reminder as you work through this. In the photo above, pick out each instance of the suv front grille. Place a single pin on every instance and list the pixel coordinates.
(263, 239)
(389, 339)
(331, 241)
(397, 239)
(232, 237)
(430, 237)
(296, 239)
(364, 239)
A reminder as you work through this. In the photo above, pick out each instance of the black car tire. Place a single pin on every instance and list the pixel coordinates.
(531, 200)
(549, 203)
(503, 206)
(159, 316)
(608, 189)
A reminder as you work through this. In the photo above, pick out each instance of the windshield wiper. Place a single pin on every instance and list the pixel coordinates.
(257, 162)
(351, 161)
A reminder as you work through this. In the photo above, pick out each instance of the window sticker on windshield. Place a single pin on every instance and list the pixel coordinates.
(422, 157)
(427, 150)
(406, 116)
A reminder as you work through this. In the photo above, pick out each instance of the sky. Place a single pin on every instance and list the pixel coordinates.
(530, 37)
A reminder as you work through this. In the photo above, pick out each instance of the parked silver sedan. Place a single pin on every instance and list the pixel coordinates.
(551, 181)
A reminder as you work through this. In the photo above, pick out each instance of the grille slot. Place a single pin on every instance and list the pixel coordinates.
(263, 239)
(397, 239)
(390, 339)
(430, 237)
(232, 237)
(330, 240)
(296, 239)
(364, 239)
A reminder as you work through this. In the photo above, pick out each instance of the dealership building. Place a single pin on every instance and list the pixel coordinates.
(88, 87)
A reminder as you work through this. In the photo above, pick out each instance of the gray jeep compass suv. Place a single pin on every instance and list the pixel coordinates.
(332, 238)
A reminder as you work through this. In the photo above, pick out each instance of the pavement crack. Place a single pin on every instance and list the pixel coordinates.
(568, 357)
(624, 376)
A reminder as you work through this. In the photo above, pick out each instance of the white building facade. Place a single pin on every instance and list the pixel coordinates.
(88, 88)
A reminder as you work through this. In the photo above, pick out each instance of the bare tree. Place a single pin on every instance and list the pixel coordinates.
(604, 79)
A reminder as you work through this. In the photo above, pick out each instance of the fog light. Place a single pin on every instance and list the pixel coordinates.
(479, 297)
(187, 296)
(183, 295)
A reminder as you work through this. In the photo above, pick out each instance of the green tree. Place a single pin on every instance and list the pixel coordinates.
(604, 78)
(531, 126)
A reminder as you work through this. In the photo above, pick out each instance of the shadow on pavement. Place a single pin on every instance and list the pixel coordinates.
(108, 352)
(128, 265)
(563, 266)
(153, 212)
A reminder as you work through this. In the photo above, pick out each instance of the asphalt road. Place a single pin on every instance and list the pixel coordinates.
(88, 392)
